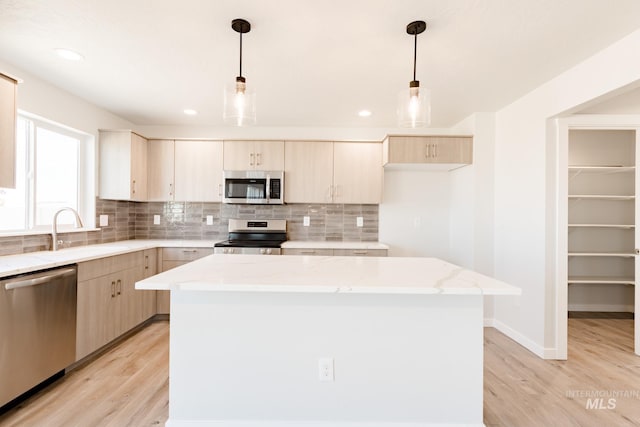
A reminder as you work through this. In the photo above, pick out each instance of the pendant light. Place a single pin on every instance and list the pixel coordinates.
(239, 101)
(414, 105)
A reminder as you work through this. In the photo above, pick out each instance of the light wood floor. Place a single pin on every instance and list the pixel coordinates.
(128, 385)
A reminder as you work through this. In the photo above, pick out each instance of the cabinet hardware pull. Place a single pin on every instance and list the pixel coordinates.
(133, 187)
(119, 287)
(146, 262)
(360, 252)
(171, 189)
(189, 251)
(435, 150)
(258, 159)
(113, 289)
(251, 159)
(427, 151)
(220, 190)
(307, 251)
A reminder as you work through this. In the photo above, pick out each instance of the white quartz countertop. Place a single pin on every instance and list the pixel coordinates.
(294, 273)
(33, 261)
(317, 244)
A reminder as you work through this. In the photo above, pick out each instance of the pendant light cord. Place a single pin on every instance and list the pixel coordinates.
(415, 50)
(241, 56)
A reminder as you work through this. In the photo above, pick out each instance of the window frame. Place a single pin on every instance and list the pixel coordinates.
(86, 167)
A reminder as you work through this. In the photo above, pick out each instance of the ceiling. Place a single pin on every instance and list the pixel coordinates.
(312, 63)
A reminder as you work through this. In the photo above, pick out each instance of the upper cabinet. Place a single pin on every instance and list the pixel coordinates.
(443, 152)
(160, 170)
(253, 155)
(357, 172)
(7, 132)
(123, 165)
(333, 172)
(198, 171)
(308, 171)
(184, 170)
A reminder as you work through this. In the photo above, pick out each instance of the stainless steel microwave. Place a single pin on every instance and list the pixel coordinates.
(253, 187)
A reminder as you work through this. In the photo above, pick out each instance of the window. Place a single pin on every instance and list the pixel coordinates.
(51, 173)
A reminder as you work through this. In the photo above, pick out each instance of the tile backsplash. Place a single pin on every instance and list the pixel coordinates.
(187, 220)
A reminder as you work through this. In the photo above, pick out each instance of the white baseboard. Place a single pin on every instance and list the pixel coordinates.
(532, 346)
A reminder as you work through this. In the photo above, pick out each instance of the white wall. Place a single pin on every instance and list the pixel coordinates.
(524, 181)
(38, 97)
(415, 212)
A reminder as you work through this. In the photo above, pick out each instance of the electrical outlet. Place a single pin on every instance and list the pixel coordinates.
(156, 220)
(209, 219)
(359, 221)
(325, 369)
(306, 221)
(104, 220)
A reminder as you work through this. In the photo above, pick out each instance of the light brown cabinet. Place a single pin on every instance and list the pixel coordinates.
(449, 151)
(185, 170)
(253, 155)
(198, 171)
(123, 165)
(7, 132)
(108, 304)
(308, 171)
(170, 258)
(333, 172)
(160, 170)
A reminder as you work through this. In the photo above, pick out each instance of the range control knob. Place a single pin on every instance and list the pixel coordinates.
(263, 251)
(268, 251)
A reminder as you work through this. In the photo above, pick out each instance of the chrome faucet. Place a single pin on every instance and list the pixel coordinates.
(54, 229)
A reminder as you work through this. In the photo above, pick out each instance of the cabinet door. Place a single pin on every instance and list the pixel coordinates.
(308, 172)
(357, 172)
(160, 170)
(138, 167)
(98, 311)
(131, 300)
(198, 171)
(149, 302)
(239, 155)
(269, 155)
(253, 155)
(7, 132)
(429, 149)
(123, 166)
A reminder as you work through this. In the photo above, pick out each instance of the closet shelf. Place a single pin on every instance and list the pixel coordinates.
(603, 280)
(600, 197)
(628, 226)
(602, 169)
(603, 254)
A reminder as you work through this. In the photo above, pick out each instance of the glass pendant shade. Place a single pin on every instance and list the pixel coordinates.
(239, 104)
(414, 107)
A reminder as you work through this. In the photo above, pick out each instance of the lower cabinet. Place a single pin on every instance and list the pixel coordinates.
(108, 304)
(170, 258)
(334, 252)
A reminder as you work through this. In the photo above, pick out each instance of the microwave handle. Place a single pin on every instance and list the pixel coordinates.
(268, 189)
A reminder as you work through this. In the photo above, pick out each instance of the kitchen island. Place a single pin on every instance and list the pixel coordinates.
(325, 341)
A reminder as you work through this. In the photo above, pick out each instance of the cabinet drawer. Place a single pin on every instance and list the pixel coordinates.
(360, 252)
(184, 254)
(103, 266)
(309, 252)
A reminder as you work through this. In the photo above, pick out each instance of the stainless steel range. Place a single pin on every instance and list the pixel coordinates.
(251, 236)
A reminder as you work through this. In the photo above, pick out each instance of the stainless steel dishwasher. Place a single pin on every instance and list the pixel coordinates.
(37, 328)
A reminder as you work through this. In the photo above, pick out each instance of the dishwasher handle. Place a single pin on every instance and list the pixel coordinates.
(23, 283)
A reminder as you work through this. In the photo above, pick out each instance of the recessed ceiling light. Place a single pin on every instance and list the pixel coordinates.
(69, 54)
(190, 112)
(364, 113)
